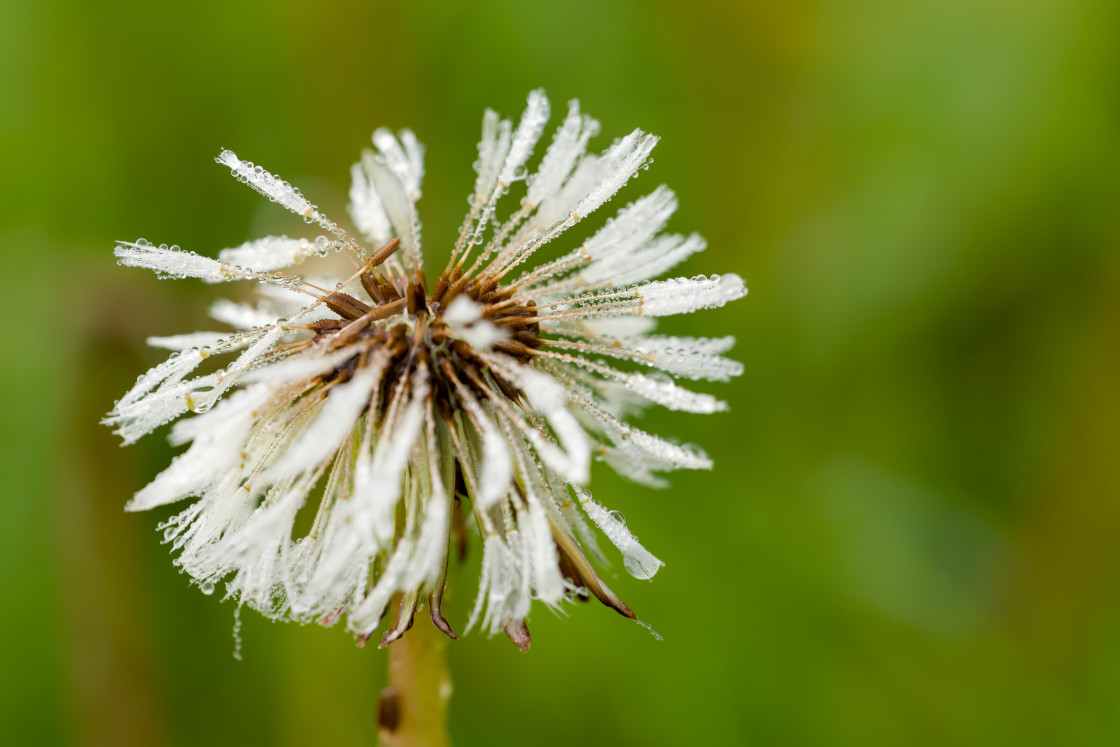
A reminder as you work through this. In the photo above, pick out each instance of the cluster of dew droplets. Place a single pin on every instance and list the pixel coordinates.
(164, 274)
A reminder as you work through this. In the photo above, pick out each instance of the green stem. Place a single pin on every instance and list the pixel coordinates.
(413, 707)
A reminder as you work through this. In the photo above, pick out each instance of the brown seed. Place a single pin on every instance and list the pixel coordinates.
(345, 305)
(386, 251)
(325, 325)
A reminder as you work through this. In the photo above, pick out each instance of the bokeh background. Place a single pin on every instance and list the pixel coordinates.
(912, 535)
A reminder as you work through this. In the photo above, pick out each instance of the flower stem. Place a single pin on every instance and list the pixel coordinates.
(412, 710)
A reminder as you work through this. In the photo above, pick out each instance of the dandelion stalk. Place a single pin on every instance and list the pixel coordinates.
(412, 710)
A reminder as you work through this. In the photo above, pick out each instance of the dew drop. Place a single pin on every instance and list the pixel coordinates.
(206, 587)
(237, 633)
(650, 629)
(617, 516)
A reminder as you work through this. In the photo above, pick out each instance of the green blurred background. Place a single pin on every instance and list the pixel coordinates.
(912, 534)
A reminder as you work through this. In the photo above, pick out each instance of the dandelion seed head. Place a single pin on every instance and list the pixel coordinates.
(394, 413)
